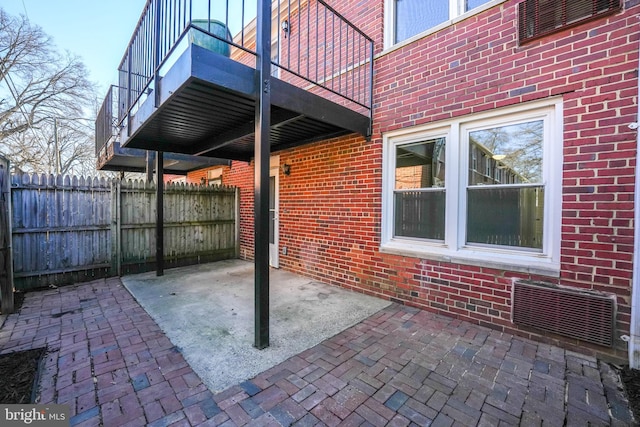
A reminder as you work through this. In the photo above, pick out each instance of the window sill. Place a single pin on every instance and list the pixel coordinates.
(535, 264)
(388, 48)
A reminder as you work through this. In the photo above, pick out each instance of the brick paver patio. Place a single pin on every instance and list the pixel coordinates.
(109, 361)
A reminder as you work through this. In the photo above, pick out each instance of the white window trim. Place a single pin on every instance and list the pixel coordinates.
(454, 11)
(454, 249)
(214, 173)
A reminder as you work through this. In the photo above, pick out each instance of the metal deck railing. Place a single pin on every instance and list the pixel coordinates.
(107, 120)
(313, 47)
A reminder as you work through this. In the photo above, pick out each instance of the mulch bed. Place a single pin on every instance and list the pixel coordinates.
(631, 380)
(18, 372)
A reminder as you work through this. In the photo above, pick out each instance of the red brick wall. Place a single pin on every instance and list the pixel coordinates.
(330, 204)
(196, 177)
(240, 174)
(200, 176)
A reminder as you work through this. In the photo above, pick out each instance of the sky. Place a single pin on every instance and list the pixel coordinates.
(97, 31)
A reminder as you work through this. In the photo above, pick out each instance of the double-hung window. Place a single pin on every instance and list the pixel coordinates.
(482, 189)
(419, 192)
(407, 18)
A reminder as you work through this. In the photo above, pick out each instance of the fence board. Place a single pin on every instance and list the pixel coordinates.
(67, 229)
(6, 273)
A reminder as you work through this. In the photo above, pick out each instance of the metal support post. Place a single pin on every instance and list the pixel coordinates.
(159, 214)
(157, 13)
(261, 174)
(151, 157)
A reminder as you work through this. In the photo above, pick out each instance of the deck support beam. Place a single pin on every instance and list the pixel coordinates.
(159, 214)
(261, 174)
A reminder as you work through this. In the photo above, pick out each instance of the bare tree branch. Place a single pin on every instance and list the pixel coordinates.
(39, 84)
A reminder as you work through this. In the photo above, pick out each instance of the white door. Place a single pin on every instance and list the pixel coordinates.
(273, 211)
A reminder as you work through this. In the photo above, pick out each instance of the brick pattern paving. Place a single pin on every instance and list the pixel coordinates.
(109, 361)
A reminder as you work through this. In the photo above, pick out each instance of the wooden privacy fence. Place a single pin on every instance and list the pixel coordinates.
(69, 229)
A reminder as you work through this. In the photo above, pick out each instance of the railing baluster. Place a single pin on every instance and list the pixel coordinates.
(339, 70)
(278, 38)
(226, 18)
(152, 26)
(360, 67)
(157, 44)
(345, 71)
(333, 49)
(176, 22)
(151, 36)
(242, 25)
(138, 52)
(174, 26)
(317, 49)
(324, 66)
(129, 61)
(155, 32)
(174, 33)
(308, 38)
(163, 13)
(349, 65)
(353, 64)
(299, 34)
(181, 17)
(289, 38)
(371, 47)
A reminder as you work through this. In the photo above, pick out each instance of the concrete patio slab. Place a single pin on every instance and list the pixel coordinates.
(207, 311)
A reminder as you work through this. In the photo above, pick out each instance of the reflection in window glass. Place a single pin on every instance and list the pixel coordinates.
(416, 16)
(511, 211)
(419, 196)
(506, 216)
(472, 4)
(420, 165)
(514, 149)
(419, 214)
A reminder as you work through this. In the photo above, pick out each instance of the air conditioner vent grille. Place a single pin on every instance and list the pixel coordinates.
(572, 313)
(537, 18)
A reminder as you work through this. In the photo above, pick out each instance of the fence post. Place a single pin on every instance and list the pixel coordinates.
(6, 257)
(116, 228)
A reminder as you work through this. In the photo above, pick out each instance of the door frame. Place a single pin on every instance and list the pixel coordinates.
(274, 248)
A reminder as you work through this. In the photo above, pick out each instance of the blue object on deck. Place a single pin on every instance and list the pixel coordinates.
(206, 41)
